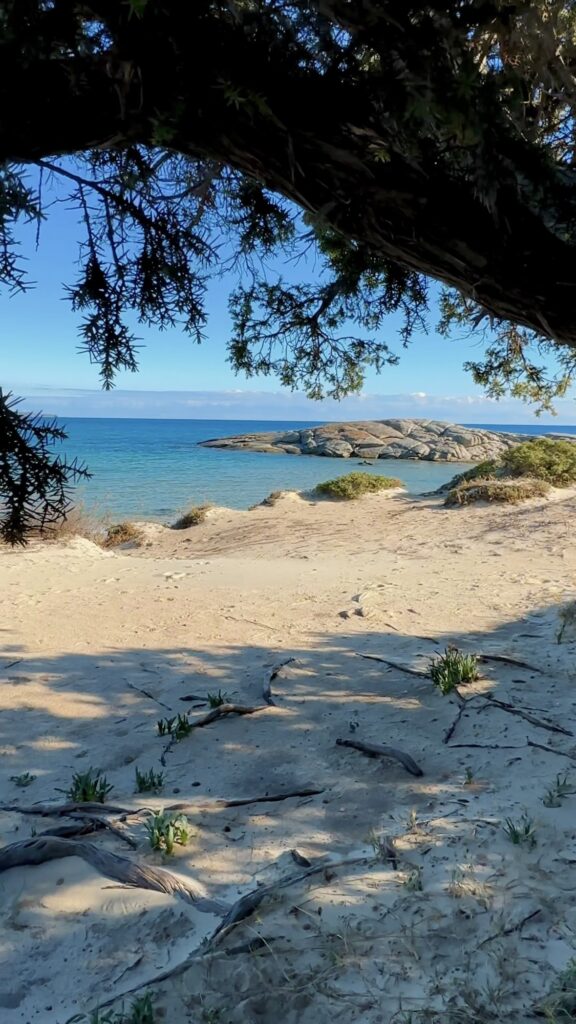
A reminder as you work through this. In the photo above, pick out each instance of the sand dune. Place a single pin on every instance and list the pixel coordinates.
(458, 924)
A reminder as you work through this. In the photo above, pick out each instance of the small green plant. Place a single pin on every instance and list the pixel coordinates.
(452, 669)
(149, 782)
(216, 700)
(469, 777)
(522, 832)
(140, 1012)
(193, 517)
(556, 793)
(165, 831)
(122, 533)
(560, 1005)
(413, 881)
(354, 485)
(88, 787)
(23, 780)
(178, 726)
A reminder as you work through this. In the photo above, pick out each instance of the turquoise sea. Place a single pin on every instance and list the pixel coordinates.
(151, 469)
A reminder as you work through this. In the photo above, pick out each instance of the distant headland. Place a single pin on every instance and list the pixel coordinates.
(430, 440)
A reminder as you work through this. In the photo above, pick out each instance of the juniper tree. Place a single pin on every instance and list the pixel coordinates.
(400, 142)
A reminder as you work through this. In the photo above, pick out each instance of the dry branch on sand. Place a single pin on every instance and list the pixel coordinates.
(375, 750)
(141, 876)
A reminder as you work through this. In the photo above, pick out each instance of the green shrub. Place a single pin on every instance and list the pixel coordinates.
(122, 533)
(193, 517)
(354, 485)
(486, 470)
(502, 491)
(543, 459)
(452, 669)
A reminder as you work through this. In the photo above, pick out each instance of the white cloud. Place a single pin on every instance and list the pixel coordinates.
(282, 405)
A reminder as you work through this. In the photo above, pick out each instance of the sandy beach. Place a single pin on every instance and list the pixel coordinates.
(381, 896)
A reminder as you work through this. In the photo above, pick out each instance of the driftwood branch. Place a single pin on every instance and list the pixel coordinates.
(375, 750)
(509, 661)
(150, 696)
(511, 746)
(40, 850)
(452, 728)
(394, 664)
(224, 710)
(542, 723)
(267, 687)
(79, 810)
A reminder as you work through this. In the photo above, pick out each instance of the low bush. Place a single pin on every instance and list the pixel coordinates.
(354, 485)
(193, 517)
(543, 459)
(122, 533)
(503, 491)
(78, 523)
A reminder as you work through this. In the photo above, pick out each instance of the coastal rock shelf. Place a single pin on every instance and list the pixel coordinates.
(379, 439)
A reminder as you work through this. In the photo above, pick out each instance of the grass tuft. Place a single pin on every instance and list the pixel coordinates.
(521, 832)
(178, 726)
(122, 533)
(558, 791)
(24, 780)
(140, 1012)
(88, 787)
(193, 517)
(149, 782)
(216, 700)
(452, 669)
(354, 485)
(165, 831)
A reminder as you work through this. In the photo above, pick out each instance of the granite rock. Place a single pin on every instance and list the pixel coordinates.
(431, 440)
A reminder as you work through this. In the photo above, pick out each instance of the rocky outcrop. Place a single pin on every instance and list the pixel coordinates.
(379, 439)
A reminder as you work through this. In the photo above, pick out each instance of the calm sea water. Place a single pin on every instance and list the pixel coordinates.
(152, 469)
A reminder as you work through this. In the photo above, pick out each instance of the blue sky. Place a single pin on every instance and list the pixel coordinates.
(40, 361)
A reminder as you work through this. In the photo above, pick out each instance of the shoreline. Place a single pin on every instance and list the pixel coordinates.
(337, 608)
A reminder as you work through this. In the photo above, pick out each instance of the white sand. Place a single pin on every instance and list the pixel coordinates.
(96, 646)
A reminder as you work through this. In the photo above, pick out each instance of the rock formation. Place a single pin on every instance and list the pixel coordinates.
(379, 439)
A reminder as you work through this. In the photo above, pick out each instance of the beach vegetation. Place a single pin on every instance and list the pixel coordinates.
(90, 786)
(452, 669)
(149, 782)
(165, 831)
(521, 832)
(355, 485)
(567, 616)
(506, 492)
(216, 700)
(141, 1011)
(178, 726)
(193, 517)
(24, 780)
(550, 459)
(122, 533)
(413, 880)
(561, 788)
(271, 499)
